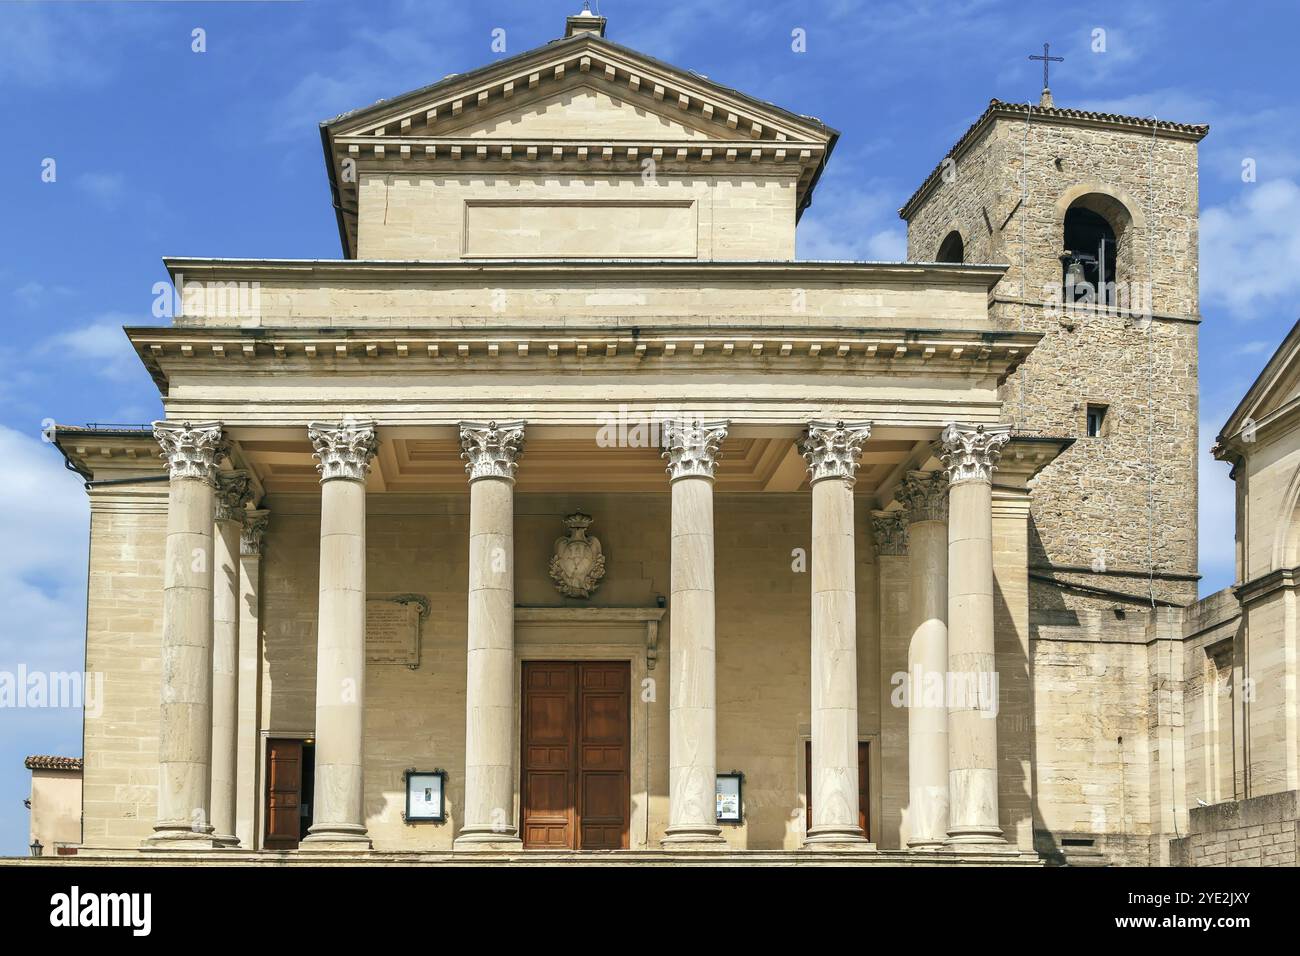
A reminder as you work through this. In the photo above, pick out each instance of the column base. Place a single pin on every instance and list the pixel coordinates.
(486, 839)
(226, 840)
(930, 844)
(176, 836)
(348, 837)
(694, 837)
(990, 837)
(834, 836)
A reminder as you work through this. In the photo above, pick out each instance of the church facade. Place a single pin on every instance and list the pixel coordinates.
(569, 512)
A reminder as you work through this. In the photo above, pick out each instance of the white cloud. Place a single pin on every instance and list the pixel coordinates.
(1250, 249)
(102, 344)
(853, 223)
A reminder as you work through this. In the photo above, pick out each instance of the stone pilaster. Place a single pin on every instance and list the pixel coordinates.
(970, 455)
(248, 793)
(233, 493)
(889, 530)
(193, 453)
(344, 452)
(832, 450)
(491, 451)
(924, 496)
(692, 449)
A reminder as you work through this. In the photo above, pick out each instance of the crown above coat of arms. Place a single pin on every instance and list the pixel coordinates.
(578, 563)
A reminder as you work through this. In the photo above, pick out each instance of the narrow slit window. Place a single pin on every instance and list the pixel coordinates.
(1096, 420)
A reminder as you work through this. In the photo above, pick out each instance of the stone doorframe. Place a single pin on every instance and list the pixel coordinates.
(597, 634)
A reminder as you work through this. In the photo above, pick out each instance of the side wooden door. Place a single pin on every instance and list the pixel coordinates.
(864, 779)
(283, 793)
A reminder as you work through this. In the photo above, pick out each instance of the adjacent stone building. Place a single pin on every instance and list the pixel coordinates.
(410, 578)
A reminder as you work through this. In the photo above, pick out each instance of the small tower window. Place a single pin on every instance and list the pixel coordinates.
(1096, 420)
(951, 249)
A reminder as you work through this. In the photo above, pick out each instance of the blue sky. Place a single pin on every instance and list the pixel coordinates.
(163, 151)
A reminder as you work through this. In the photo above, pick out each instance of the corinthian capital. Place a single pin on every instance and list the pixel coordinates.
(191, 451)
(971, 454)
(253, 533)
(344, 449)
(890, 531)
(925, 495)
(832, 449)
(234, 490)
(692, 447)
(491, 449)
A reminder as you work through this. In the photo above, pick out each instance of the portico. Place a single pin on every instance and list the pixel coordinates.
(494, 461)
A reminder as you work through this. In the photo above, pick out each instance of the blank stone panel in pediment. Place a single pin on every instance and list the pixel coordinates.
(579, 113)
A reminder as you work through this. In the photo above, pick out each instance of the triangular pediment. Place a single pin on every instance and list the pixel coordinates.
(568, 104)
(578, 68)
(1274, 392)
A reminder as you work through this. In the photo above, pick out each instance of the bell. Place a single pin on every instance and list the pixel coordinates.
(1074, 275)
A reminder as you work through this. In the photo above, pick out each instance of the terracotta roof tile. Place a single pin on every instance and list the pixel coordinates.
(996, 106)
(46, 762)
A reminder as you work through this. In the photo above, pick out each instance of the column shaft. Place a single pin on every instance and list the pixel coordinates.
(927, 664)
(692, 704)
(490, 665)
(225, 680)
(248, 793)
(835, 796)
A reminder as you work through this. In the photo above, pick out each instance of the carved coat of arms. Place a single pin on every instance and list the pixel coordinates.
(578, 564)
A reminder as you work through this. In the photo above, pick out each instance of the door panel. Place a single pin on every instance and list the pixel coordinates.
(547, 738)
(576, 740)
(604, 794)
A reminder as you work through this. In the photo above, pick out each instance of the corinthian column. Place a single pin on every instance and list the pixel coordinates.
(491, 451)
(692, 449)
(192, 453)
(232, 495)
(924, 495)
(970, 455)
(344, 452)
(832, 450)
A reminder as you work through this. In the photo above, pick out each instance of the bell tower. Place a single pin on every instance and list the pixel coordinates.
(1095, 217)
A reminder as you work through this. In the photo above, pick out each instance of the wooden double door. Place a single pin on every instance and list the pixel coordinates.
(576, 754)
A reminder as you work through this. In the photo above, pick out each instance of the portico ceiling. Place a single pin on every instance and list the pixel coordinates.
(433, 465)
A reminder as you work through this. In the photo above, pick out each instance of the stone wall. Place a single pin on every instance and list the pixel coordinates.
(123, 637)
(1261, 831)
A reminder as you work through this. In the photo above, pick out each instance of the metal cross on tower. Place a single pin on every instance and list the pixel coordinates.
(1047, 59)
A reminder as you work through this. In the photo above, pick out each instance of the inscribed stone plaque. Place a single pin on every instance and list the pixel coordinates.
(393, 632)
